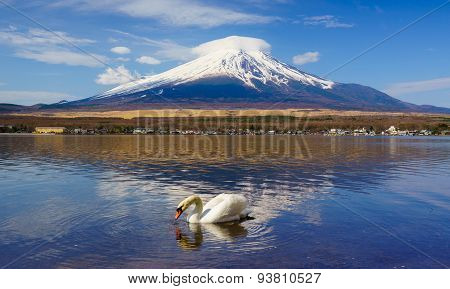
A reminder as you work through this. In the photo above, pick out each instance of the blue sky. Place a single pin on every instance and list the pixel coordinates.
(140, 37)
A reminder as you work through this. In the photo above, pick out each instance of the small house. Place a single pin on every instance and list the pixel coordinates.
(49, 130)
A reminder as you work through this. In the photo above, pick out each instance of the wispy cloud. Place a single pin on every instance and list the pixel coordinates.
(165, 49)
(62, 57)
(307, 57)
(39, 37)
(148, 60)
(118, 75)
(328, 21)
(44, 46)
(122, 59)
(402, 88)
(25, 97)
(171, 12)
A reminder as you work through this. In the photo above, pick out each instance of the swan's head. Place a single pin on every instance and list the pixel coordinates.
(185, 204)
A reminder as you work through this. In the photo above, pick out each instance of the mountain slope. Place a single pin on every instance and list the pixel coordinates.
(234, 78)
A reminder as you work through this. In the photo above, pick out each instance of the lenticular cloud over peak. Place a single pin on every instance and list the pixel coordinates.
(232, 42)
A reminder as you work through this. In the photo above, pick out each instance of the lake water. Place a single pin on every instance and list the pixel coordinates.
(318, 202)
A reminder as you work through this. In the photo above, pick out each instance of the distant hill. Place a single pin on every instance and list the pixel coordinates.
(5, 107)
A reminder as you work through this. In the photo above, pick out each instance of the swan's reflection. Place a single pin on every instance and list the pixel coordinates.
(220, 232)
(186, 242)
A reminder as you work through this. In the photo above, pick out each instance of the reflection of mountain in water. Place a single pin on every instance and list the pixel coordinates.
(252, 158)
(265, 165)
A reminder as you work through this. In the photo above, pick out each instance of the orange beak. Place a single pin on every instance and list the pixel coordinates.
(178, 213)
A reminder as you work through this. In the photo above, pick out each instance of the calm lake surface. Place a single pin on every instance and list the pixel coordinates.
(318, 202)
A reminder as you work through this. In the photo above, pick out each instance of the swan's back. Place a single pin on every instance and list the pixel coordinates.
(224, 208)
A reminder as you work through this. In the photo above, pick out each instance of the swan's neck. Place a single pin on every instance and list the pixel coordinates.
(198, 205)
(198, 210)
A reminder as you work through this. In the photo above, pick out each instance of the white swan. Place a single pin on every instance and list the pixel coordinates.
(222, 208)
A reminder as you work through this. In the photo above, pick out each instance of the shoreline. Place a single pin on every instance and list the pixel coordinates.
(262, 135)
(196, 113)
(317, 122)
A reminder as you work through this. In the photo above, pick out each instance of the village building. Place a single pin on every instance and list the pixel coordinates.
(80, 131)
(49, 130)
(392, 130)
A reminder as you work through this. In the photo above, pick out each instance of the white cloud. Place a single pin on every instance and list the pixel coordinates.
(232, 42)
(120, 50)
(418, 86)
(171, 12)
(307, 57)
(148, 60)
(328, 21)
(63, 57)
(24, 97)
(48, 47)
(118, 75)
(2, 83)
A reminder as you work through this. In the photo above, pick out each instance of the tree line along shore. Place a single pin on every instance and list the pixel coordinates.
(375, 124)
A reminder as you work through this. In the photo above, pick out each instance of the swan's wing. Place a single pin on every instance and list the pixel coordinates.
(224, 209)
(214, 202)
(194, 218)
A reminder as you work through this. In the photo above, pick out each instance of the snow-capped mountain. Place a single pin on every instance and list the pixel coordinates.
(252, 68)
(236, 78)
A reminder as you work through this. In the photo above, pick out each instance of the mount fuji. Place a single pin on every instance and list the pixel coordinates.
(231, 78)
